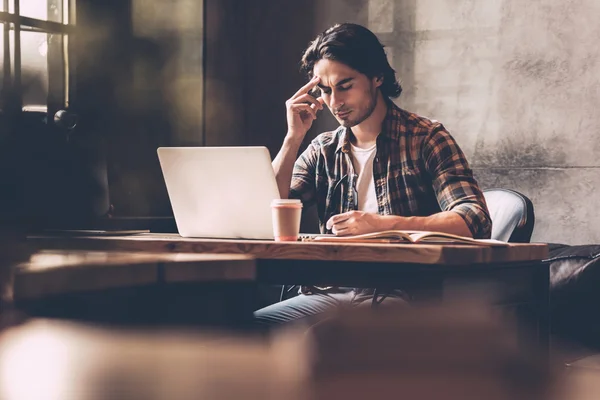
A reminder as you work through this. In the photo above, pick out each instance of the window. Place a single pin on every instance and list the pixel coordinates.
(34, 62)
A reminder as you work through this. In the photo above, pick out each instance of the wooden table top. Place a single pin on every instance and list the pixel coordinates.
(433, 254)
(59, 271)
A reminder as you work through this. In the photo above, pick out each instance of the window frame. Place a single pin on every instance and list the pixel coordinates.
(59, 57)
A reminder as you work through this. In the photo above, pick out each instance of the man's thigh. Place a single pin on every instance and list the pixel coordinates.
(301, 307)
(391, 298)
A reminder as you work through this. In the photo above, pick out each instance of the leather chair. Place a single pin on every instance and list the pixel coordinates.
(512, 215)
(574, 299)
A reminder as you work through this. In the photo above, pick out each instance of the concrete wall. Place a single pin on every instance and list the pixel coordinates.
(517, 83)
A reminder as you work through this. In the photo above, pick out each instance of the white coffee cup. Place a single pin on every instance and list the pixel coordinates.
(286, 219)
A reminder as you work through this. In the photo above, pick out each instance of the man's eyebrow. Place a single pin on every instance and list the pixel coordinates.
(340, 83)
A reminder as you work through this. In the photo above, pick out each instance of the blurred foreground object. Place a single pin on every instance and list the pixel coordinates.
(458, 352)
(583, 379)
(13, 250)
(138, 289)
(65, 361)
(421, 353)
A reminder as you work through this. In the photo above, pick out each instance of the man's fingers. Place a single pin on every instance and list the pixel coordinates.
(342, 228)
(341, 217)
(306, 88)
(337, 219)
(299, 108)
(341, 231)
(329, 224)
(307, 98)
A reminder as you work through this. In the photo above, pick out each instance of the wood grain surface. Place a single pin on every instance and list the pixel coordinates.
(438, 254)
(59, 271)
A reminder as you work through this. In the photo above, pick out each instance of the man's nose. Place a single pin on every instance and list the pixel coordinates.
(336, 100)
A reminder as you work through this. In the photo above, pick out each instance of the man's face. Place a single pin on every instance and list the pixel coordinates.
(350, 95)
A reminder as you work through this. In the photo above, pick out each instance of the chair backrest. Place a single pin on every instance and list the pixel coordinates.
(512, 215)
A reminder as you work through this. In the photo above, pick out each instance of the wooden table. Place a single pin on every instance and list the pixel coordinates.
(350, 264)
(311, 251)
(137, 288)
(513, 276)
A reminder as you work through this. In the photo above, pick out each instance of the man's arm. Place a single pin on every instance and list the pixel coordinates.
(445, 221)
(301, 111)
(464, 211)
(357, 222)
(283, 165)
(455, 187)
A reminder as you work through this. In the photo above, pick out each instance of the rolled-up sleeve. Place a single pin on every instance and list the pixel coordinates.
(303, 186)
(452, 179)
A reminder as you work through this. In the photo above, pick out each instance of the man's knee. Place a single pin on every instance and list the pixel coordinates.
(296, 308)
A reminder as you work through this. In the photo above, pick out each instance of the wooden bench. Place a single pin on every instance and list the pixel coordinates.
(135, 288)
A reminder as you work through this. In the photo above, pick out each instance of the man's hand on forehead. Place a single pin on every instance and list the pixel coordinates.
(302, 109)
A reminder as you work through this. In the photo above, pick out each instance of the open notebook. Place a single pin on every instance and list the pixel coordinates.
(396, 236)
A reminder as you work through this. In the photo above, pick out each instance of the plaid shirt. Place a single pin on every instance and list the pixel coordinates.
(418, 170)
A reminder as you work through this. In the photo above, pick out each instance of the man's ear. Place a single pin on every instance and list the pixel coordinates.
(378, 81)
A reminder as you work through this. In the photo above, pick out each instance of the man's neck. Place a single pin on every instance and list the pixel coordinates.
(365, 134)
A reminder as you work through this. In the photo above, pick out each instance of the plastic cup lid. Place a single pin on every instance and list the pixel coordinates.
(281, 202)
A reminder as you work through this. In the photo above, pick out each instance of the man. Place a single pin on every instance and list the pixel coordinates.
(383, 168)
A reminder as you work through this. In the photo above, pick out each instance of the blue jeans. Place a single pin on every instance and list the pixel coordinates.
(310, 307)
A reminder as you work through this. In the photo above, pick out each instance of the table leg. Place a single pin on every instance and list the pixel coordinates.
(542, 300)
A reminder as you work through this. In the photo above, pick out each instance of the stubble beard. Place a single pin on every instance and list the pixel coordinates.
(369, 110)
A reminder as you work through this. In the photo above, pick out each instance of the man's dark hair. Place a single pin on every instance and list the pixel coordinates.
(358, 48)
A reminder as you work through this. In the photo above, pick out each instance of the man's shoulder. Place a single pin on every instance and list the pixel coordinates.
(415, 123)
(328, 139)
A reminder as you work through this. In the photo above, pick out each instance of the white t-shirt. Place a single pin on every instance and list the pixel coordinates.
(362, 160)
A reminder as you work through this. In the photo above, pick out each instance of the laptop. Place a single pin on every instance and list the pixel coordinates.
(220, 192)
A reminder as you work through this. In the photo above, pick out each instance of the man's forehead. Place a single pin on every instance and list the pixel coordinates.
(333, 73)
(325, 66)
